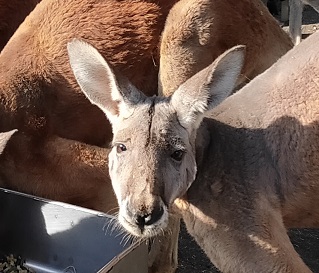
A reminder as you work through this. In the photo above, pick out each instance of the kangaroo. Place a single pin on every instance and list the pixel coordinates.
(240, 170)
(196, 32)
(57, 152)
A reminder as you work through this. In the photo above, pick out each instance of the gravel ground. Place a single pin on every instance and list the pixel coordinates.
(306, 241)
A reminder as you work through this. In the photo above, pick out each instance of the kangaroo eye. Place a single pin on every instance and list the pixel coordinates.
(120, 148)
(177, 155)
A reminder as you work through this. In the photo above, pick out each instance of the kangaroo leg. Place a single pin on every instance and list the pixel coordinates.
(255, 243)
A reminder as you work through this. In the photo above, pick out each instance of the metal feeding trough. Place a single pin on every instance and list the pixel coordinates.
(54, 237)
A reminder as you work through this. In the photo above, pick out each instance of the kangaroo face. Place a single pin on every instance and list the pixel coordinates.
(152, 161)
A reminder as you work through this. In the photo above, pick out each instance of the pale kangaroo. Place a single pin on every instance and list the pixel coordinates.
(241, 175)
(196, 32)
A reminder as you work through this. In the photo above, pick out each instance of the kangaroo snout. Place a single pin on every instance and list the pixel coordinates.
(142, 219)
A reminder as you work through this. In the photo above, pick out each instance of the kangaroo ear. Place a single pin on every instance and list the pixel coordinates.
(4, 138)
(208, 88)
(111, 94)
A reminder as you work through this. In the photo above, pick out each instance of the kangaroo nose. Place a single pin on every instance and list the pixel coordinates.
(143, 220)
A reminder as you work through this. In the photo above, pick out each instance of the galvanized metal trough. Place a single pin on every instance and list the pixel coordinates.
(55, 237)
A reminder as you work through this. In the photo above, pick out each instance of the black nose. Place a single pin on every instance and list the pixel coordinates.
(143, 220)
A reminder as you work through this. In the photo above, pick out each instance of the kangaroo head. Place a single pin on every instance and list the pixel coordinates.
(152, 161)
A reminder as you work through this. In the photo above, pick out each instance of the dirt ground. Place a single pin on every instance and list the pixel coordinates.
(306, 241)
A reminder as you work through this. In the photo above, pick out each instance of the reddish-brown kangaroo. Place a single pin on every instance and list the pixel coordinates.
(197, 31)
(57, 152)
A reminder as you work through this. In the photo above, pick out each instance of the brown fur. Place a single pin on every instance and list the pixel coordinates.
(69, 171)
(197, 31)
(12, 14)
(128, 36)
(38, 92)
(51, 154)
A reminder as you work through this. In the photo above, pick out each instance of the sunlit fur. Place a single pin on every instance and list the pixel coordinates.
(197, 31)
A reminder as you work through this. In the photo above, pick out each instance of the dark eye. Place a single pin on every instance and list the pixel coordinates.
(177, 155)
(120, 148)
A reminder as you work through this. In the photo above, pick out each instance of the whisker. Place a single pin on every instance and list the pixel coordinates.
(169, 231)
(163, 231)
(124, 238)
(112, 210)
(116, 227)
(120, 233)
(111, 223)
(130, 238)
